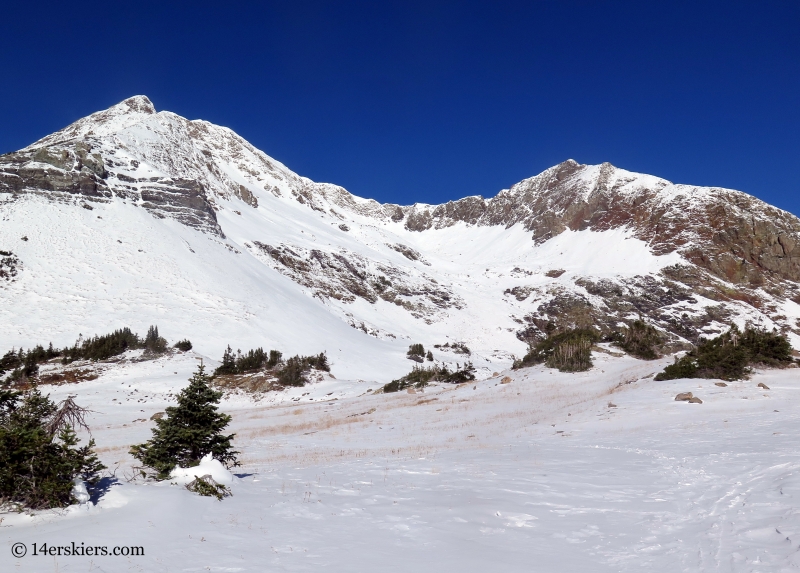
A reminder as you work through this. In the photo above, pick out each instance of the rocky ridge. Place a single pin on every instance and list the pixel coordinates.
(732, 256)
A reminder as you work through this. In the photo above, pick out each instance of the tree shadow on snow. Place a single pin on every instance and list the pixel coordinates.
(101, 488)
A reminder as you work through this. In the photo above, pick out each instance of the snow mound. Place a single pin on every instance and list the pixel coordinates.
(207, 466)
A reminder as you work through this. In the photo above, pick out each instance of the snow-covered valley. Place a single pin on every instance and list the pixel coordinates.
(132, 217)
(539, 474)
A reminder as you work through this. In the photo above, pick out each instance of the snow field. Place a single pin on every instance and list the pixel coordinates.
(540, 474)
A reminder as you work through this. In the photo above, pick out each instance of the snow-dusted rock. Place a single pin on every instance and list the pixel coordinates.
(136, 217)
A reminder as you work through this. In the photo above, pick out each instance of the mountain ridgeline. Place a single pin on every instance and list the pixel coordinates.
(575, 247)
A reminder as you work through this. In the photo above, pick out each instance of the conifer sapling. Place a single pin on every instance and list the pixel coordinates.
(188, 431)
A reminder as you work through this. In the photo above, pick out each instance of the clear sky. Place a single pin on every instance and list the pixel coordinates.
(430, 101)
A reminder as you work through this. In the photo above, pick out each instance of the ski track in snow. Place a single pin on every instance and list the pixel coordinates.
(541, 474)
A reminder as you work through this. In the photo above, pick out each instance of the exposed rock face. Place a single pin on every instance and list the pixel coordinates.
(345, 276)
(735, 236)
(164, 163)
(9, 267)
(739, 257)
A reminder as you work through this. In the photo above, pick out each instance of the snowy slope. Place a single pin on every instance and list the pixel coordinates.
(133, 217)
(542, 474)
(136, 217)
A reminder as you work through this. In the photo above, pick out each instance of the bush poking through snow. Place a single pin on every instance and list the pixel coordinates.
(729, 355)
(153, 343)
(419, 377)
(457, 347)
(38, 448)
(291, 372)
(188, 432)
(569, 351)
(641, 340)
(294, 371)
(25, 365)
(207, 486)
(416, 352)
(102, 347)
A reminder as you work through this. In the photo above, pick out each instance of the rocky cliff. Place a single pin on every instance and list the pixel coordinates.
(576, 244)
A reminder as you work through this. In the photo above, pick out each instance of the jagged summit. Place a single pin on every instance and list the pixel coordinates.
(101, 123)
(574, 243)
(137, 104)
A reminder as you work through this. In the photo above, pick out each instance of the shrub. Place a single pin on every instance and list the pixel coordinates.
(207, 486)
(228, 365)
(252, 361)
(729, 355)
(184, 345)
(294, 371)
(103, 347)
(153, 343)
(457, 347)
(188, 432)
(24, 365)
(291, 372)
(275, 358)
(416, 350)
(640, 339)
(568, 351)
(320, 362)
(419, 377)
(39, 453)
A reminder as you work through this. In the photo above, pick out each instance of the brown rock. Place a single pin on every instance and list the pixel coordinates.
(505, 380)
(762, 385)
(157, 416)
(695, 400)
(684, 397)
(721, 384)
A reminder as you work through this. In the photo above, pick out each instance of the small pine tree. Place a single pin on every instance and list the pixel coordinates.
(416, 350)
(153, 342)
(38, 450)
(275, 358)
(188, 432)
(228, 365)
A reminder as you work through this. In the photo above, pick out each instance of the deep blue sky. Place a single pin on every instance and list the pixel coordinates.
(433, 101)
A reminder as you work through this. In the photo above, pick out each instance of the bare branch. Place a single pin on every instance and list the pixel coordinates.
(68, 414)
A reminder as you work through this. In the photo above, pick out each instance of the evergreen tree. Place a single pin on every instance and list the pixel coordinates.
(188, 432)
(275, 358)
(153, 342)
(38, 450)
(228, 365)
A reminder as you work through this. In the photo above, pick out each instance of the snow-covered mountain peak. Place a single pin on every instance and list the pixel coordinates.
(187, 219)
(102, 123)
(135, 104)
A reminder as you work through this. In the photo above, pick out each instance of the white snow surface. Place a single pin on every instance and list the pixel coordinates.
(207, 466)
(89, 271)
(597, 471)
